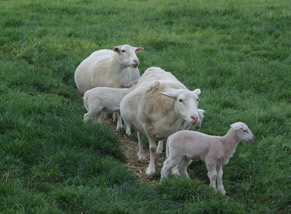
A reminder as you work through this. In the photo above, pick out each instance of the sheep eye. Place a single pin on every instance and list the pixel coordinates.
(180, 100)
(246, 131)
(123, 51)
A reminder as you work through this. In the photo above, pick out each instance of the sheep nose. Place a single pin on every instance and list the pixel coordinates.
(194, 119)
(197, 127)
(136, 61)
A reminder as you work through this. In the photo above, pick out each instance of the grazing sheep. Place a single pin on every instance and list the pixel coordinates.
(197, 126)
(158, 106)
(185, 146)
(108, 68)
(108, 99)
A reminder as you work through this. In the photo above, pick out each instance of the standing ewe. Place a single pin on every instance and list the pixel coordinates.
(108, 68)
(185, 146)
(159, 106)
(108, 99)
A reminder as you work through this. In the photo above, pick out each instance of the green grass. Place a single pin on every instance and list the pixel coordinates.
(236, 52)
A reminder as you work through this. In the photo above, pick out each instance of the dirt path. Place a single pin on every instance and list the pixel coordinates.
(130, 147)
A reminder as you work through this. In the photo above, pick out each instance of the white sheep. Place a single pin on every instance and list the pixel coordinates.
(158, 106)
(108, 68)
(185, 146)
(108, 99)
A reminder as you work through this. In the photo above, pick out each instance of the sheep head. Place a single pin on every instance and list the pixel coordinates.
(186, 103)
(126, 55)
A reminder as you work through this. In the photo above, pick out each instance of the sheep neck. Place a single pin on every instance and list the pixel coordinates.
(116, 65)
(230, 142)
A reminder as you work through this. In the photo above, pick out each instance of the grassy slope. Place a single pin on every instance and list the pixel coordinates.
(238, 53)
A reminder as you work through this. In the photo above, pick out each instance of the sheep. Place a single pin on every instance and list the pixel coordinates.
(108, 99)
(108, 68)
(158, 106)
(197, 126)
(185, 146)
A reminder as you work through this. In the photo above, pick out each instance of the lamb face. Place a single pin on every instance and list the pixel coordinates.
(243, 132)
(186, 104)
(127, 55)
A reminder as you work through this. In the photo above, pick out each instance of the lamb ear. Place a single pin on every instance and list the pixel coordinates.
(137, 50)
(116, 49)
(197, 91)
(171, 94)
(236, 126)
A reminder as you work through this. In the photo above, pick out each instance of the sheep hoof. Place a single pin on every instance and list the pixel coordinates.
(128, 134)
(119, 128)
(141, 158)
(150, 172)
(222, 192)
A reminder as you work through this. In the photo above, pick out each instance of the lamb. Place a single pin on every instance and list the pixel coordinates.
(197, 126)
(108, 99)
(185, 146)
(108, 68)
(158, 106)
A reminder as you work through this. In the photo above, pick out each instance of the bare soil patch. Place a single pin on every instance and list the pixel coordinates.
(130, 148)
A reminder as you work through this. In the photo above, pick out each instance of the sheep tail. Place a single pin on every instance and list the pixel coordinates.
(85, 99)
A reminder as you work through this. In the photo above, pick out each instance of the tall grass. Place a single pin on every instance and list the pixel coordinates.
(236, 52)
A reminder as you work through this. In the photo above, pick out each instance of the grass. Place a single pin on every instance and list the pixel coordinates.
(236, 52)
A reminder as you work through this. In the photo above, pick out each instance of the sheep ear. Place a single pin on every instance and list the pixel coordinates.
(201, 111)
(137, 50)
(171, 94)
(116, 49)
(130, 84)
(236, 126)
(197, 91)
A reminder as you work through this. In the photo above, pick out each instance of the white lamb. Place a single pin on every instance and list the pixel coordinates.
(158, 106)
(108, 68)
(108, 99)
(185, 146)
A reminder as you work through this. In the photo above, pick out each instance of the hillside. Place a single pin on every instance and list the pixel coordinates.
(236, 52)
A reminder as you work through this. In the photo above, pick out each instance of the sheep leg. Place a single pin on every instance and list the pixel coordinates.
(175, 171)
(114, 116)
(99, 117)
(91, 116)
(140, 154)
(220, 186)
(212, 174)
(128, 130)
(119, 125)
(152, 147)
(168, 165)
(183, 166)
(87, 117)
(160, 147)
(94, 112)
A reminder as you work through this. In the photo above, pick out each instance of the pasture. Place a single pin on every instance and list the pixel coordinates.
(236, 52)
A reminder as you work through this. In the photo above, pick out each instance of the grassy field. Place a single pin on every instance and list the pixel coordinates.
(236, 52)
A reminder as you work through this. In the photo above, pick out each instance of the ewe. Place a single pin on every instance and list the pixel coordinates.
(99, 99)
(158, 106)
(185, 146)
(108, 68)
